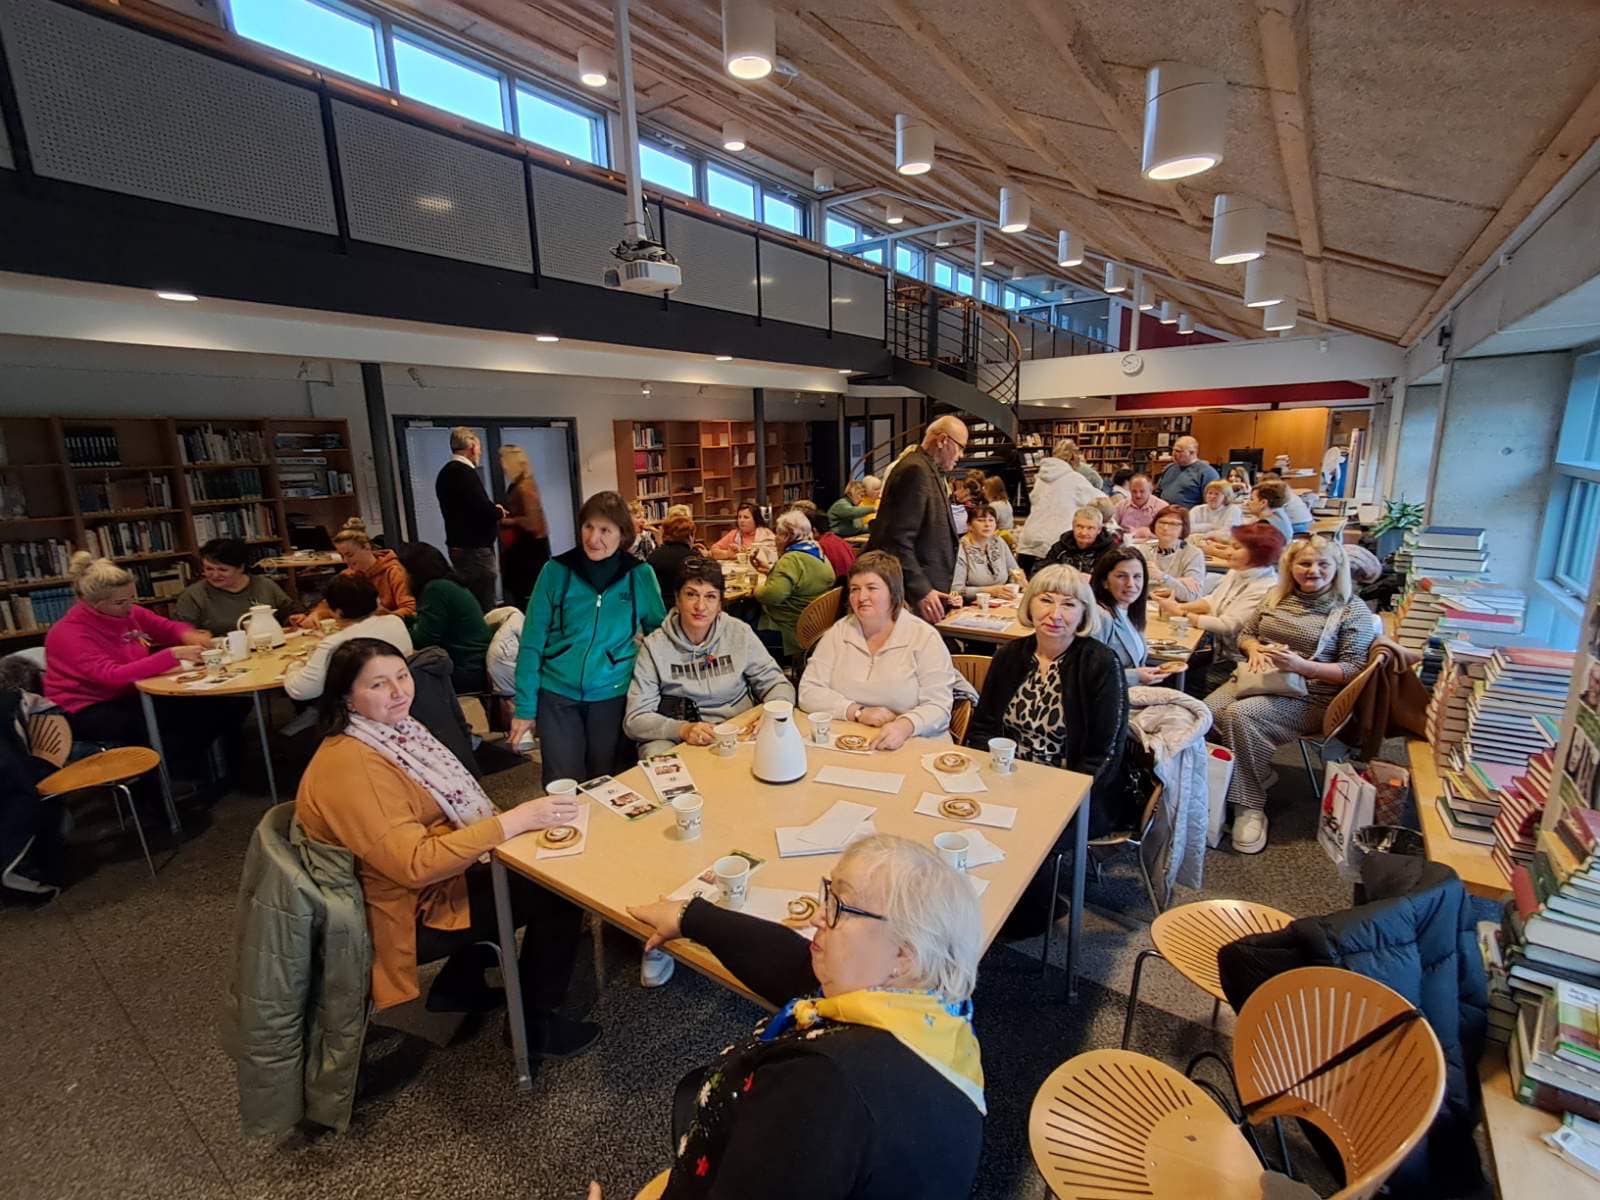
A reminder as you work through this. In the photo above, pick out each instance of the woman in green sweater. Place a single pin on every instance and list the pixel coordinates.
(846, 516)
(801, 574)
(448, 615)
(589, 610)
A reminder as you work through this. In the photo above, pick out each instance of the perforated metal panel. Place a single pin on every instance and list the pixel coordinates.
(113, 108)
(857, 302)
(579, 222)
(719, 264)
(794, 286)
(419, 190)
(5, 150)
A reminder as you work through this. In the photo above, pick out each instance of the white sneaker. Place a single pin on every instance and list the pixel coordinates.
(655, 968)
(1250, 831)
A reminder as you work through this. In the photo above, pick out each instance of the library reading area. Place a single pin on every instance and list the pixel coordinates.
(890, 601)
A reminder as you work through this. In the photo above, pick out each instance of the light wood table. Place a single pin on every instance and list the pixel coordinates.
(293, 564)
(858, 540)
(1525, 1168)
(634, 862)
(744, 588)
(254, 676)
(1468, 859)
(1156, 627)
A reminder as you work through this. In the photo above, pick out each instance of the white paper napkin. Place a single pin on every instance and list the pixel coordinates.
(981, 851)
(833, 744)
(967, 781)
(793, 842)
(979, 886)
(772, 904)
(978, 620)
(581, 824)
(872, 781)
(1001, 816)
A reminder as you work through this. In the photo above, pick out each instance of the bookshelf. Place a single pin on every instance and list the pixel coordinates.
(148, 492)
(711, 467)
(1108, 444)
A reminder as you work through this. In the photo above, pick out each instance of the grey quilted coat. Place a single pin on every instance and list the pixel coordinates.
(296, 1010)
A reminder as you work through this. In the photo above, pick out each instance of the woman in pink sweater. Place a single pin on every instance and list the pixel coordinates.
(103, 646)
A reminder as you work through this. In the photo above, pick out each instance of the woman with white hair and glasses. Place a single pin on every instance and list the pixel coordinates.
(1310, 638)
(868, 1081)
(1059, 693)
(801, 574)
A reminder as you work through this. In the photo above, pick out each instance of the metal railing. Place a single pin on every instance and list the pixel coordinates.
(956, 335)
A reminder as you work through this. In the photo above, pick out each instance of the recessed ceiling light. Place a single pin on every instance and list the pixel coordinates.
(846, 371)
(546, 337)
(181, 297)
(749, 38)
(591, 67)
(1185, 120)
(913, 145)
(724, 358)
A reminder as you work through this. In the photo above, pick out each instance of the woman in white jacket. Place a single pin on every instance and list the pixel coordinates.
(1231, 603)
(1058, 492)
(882, 665)
(1218, 514)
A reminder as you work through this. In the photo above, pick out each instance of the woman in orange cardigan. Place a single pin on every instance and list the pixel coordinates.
(381, 567)
(421, 827)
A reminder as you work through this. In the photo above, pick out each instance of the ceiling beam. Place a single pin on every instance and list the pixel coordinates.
(1574, 137)
(1074, 45)
(1284, 50)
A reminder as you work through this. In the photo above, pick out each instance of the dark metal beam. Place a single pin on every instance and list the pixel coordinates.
(382, 461)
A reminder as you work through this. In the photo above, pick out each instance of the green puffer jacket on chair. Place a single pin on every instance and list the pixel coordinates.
(296, 1010)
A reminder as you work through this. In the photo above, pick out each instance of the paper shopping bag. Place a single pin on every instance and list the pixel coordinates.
(1219, 772)
(1348, 798)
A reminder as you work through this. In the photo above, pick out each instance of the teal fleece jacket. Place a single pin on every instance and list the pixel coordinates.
(580, 643)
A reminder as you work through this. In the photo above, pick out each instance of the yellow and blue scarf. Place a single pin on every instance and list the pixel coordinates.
(936, 1030)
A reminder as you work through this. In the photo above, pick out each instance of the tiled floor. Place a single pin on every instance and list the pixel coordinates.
(113, 1082)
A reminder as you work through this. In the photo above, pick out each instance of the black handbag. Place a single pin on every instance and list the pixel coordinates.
(679, 708)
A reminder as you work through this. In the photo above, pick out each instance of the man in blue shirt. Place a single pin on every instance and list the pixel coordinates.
(1184, 481)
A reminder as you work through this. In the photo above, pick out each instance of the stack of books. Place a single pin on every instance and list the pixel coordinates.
(1502, 1003)
(1470, 800)
(1577, 1143)
(1516, 825)
(1515, 710)
(1447, 550)
(1448, 714)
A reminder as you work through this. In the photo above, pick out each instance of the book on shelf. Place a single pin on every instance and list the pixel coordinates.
(153, 490)
(207, 444)
(92, 446)
(303, 442)
(1450, 537)
(247, 522)
(45, 558)
(241, 483)
(119, 539)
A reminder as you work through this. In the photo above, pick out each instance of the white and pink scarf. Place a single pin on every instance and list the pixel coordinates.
(430, 764)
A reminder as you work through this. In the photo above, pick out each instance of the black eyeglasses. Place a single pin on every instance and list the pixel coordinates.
(832, 906)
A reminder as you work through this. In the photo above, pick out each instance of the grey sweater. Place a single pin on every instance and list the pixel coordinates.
(724, 675)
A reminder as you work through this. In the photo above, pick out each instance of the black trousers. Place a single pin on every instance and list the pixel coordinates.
(549, 948)
(188, 727)
(476, 566)
(1029, 563)
(581, 739)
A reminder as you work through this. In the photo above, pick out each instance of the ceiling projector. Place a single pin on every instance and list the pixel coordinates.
(643, 266)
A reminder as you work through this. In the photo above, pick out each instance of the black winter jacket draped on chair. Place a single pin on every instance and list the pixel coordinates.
(1417, 935)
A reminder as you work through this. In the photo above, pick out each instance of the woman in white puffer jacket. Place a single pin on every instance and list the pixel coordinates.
(1058, 492)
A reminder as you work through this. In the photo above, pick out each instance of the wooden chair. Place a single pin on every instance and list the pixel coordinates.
(960, 718)
(1339, 712)
(1111, 1123)
(50, 738)
(1376, 1106)
(656, 1188)
(113, 769)
(974, 668)
(818, 617)
(1189, 936)
(1136, 839)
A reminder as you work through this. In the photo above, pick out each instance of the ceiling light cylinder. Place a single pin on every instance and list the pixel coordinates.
(1014, 210)
(592, 66)
(1266, 282)
(1018, 273)
(913, 145)
(942, 238)
(1166, 314)
(1185, 324)
(1069, 249)
(1280, 316)
(1145, 297)
(749, 38)
(1117, 278)
(894, 213)
(1238, 229)
(1185, 120)
(822, 179)
(734, 136)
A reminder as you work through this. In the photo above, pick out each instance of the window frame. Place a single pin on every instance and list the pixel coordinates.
(421, 41)
(379, 26)
(787, 201)
(737, 177)
(695, 188)
(598, 125)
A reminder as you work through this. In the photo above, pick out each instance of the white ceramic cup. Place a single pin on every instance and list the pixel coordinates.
(1003, 755)
(328, 625)
(562, 787)
(733, 877)
(238, 646)
(1180, 627)
(952, 847)
(213, 662)
(727, 735)
(260, 643)
(821, 727)
(688, 808)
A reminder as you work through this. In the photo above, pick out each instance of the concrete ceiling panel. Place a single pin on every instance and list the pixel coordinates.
(1397, 227)
(1377, 302)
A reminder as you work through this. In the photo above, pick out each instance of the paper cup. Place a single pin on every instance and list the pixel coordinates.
(733, 877)
(1002, 755)
(952, 847)
(213, 662)
(984, 600)
(821, 727)
(238, 646)
(727, 735)
(328, 625)
(1180, 626)
(688, 809)
(562, 787)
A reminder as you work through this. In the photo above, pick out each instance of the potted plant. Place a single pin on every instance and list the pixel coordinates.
(1399, 516)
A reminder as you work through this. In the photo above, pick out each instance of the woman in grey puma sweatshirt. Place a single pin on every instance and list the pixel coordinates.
(701, 667)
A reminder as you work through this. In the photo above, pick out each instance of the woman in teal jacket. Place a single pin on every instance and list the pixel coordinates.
(589, 611)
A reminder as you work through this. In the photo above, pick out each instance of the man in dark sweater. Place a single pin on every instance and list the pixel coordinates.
(914, 522)
(471, 519)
